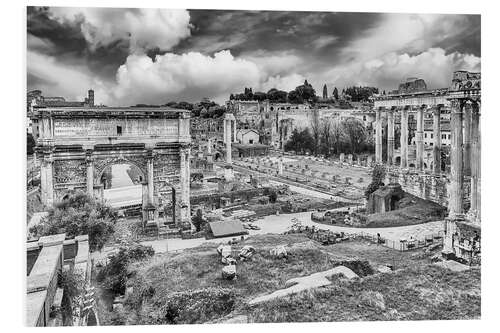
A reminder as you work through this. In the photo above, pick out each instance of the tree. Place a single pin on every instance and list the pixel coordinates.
(315, 129)
(198, 220)
(300, 142)
(277, 96)
(79, 215)
(335, 93)
(114, 275)
(302, 93)
(378, 176)
(355, 133)
(325, 92)
(326, 138)
(30, 144)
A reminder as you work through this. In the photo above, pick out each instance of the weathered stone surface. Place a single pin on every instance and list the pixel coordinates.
(296, 285)
(279, 252)
(229, 272)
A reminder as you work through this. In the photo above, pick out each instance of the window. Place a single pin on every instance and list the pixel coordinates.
(432, 135)
(118, 130)
(250, 141)
(425, 135)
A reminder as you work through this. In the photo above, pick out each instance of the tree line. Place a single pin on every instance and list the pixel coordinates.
(303, 93)
(328, 137)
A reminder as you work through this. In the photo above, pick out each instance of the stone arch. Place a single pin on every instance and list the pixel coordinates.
(102, 164)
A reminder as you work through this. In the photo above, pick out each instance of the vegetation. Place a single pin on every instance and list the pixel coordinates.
(79, 214)
(360, 94)
(378, 176)
(187, 287)
(198, 220)
(423, 292)
(113, 276)
(329, 137)
(301, 94)
(30, 144)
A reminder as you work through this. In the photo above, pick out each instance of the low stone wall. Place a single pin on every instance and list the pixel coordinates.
(426, 186)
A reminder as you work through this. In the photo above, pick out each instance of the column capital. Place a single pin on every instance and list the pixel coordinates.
(457, 105)
(150, 154)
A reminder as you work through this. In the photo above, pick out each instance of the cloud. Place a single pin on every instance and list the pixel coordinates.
(323, 41)
(286, 83)
(144, 28)
(69, 81)
(273, 63)
(434, 66)
(189, 76)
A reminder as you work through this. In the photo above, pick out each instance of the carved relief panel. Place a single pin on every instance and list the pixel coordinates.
(70, 171)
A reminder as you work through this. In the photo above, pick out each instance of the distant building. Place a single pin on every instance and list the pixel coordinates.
(247, 136)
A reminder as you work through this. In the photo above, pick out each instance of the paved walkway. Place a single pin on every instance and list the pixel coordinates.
(278, 224)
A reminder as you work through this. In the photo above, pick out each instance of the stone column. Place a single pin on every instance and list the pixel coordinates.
(90, 173)
(404, 138)
(185, 175)
(436, 127)
(455, 205)
(46, 180)
(475, 193)
(234, 131)
(390, 136)
(150, 178)
(420, 138)
(467, 139)
(228, 119)
(378, 136)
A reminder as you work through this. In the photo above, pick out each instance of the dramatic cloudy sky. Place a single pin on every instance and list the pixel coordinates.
(131, 56)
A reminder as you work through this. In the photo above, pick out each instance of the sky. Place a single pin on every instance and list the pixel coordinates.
(153, 56)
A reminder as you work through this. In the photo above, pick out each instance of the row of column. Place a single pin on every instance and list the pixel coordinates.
(465, 158)
(419, 137)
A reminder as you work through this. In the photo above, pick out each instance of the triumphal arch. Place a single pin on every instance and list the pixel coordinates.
(75, 145)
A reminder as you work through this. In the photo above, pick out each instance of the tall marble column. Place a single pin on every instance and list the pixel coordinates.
(475, 195)
(455, 205)
(46, 180)
(150, 178)
(404, 138)
(185, 180)
(378, 136)
(467, 139)
(420, 138)
(436, 127)
(90, 173)
(390, 136)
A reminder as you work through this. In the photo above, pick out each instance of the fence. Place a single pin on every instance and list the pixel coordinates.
(403, 244)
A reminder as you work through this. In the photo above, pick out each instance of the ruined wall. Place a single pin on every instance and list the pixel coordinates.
(427, 186)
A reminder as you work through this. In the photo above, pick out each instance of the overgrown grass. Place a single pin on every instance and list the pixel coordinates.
(413, 210)
(425, 292)
(187, 287)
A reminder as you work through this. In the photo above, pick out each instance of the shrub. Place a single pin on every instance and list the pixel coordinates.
(114, 275)
(79, 215)
(378, 175)
(192, 307)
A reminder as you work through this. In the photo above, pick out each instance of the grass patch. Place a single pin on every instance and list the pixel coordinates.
(413, 210)
(426, 292)
(187, 287)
